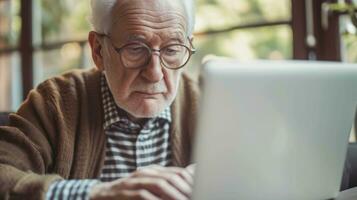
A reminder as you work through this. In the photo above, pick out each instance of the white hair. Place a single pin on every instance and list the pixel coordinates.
(101, 15)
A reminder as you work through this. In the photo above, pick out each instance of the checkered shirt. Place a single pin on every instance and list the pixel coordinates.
(129, 146)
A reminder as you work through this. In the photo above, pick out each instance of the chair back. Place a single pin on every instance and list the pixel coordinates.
(350, 173)
(4, 118)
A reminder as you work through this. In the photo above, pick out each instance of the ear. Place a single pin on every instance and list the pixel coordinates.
(96, 47)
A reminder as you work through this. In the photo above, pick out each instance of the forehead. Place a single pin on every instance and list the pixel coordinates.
(138, 18)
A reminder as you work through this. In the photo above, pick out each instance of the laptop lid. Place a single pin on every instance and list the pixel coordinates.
(273, 129)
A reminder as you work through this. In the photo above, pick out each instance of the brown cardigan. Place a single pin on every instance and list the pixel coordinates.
(58, 134)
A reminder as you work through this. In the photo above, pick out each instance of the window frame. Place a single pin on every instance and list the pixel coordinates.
(327, 41)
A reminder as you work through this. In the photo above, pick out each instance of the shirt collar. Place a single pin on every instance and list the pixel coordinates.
(114, 114)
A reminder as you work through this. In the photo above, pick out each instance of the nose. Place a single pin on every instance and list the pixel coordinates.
(153, 71)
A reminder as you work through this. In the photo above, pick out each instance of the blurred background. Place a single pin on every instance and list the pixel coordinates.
(44, 38)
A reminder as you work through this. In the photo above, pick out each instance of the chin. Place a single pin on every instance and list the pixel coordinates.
(140, 115)
(145, 106)
(148, 108)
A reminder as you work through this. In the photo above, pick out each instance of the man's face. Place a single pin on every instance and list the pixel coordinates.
(147, 91)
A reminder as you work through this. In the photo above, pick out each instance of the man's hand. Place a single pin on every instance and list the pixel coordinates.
(153, 182)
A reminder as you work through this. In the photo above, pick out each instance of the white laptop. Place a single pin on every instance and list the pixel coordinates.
(273, 129)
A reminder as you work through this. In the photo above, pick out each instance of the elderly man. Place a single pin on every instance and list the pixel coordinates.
(123, 130)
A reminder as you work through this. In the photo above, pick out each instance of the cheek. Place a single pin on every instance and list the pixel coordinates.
(172, 80)
(120, 80)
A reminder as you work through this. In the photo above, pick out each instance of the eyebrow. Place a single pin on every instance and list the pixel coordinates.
(136, 38)
(178, 39)
(172, 37)
(176, 36)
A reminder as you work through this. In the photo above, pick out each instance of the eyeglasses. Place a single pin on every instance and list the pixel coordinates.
(137, 55)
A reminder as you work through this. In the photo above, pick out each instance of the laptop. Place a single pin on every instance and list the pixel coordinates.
(273, 129)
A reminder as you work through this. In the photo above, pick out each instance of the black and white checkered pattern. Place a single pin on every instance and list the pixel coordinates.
(70, 189)
(129, 147)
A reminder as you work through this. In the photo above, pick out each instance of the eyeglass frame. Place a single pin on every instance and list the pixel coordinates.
(191, 51)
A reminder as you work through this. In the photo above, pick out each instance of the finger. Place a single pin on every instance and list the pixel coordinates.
(170, 174)
(178, 182)
(173, 178)
(188, 175)
(191, 169)
(185, 174)
(137, 194)
(158, 186)
(115, 190)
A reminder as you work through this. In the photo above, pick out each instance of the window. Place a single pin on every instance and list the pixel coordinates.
(43, 38)
(348, 33)
(245, 29)
(60, 29)
(10, 79)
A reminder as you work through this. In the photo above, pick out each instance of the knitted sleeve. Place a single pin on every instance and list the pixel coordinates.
(28, 146)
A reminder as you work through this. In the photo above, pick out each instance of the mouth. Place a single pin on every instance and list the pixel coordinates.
(148, 94)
